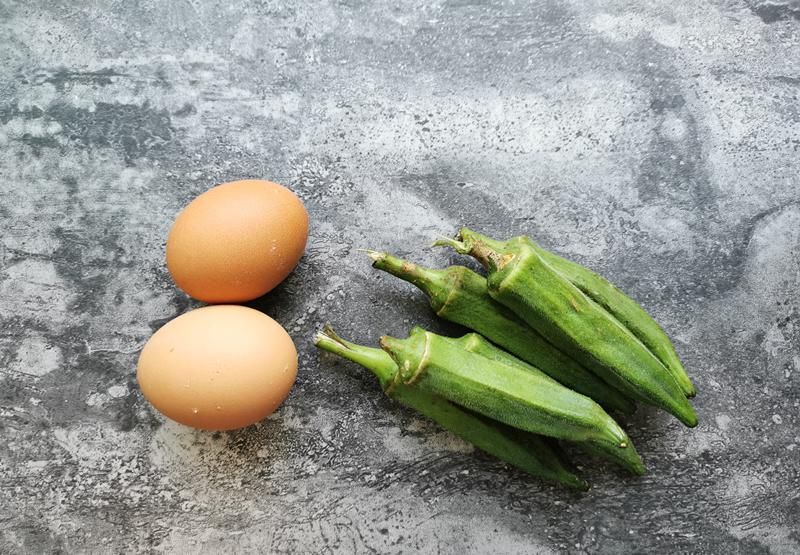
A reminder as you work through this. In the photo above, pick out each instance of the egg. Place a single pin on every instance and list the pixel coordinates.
(218, 367)
(237, 241)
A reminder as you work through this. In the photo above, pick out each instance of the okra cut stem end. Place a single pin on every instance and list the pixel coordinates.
(490, 253)
(455, 244)
(397, 266)
(376, 256)
(326, 334)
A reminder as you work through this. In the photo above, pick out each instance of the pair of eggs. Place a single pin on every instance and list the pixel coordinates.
(226, 366)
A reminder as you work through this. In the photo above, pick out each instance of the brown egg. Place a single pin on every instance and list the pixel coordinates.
(218, 367)
(237, 241)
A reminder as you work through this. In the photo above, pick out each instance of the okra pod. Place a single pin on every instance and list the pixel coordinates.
(518, 278)
(620, 306)
(460, 295)
(509, 394)
(533, 454)
(476, 343)
(624, 309)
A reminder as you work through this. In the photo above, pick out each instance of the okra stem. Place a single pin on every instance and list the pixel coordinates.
(372, 359)
(432, 282)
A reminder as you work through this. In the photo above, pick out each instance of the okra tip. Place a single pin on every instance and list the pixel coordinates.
(689, 419)
(681, 409)
(576, 482)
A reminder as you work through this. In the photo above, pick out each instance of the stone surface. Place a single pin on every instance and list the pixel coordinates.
(656, 142)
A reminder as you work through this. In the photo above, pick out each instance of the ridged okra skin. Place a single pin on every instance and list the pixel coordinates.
(533, 454)
(624, 309)
(562, 313)
(509, 394)
(476, 343)
(459, 295)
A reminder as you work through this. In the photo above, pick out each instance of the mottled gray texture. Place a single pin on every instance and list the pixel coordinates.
(658, 143)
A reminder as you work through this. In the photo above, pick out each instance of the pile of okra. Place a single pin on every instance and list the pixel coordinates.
(555, 348)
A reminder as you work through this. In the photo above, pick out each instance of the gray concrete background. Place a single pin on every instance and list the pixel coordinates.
(656, 142)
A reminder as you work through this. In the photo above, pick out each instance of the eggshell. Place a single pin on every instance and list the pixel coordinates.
(237, 241)
(218, 367)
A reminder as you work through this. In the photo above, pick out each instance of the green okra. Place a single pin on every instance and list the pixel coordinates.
(534, 454)
(476, 343)
(624, 309)
(519, 278)
(620, 306)
(460, 295)
(507, 393)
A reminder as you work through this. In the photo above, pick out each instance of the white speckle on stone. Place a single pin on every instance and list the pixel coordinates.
(33, 287)
(673, 128)
(117, 391)
(618, 28)
(14, 128)
(40, 96)
(97, 399)
(36, 357)
(53, 128)
(36, 465)
(672, 233)
(667, 35)
(625, 27)
(723, 422)
(52, 42)
(769, 269)
(774, 340)
(91, 443)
